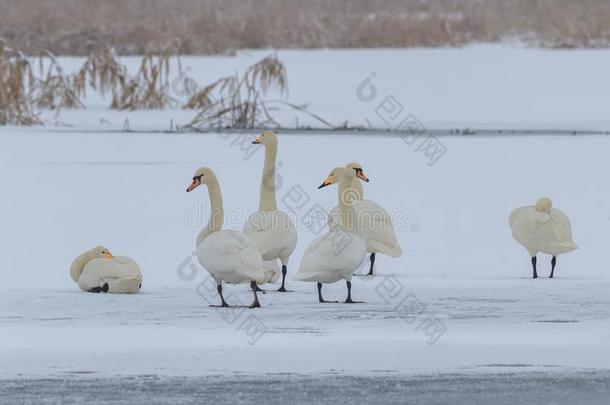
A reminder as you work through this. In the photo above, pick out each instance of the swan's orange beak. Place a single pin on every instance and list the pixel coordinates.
(196, 183)
(257, 140)
(361, 176)
(327, 182)
(108, 255)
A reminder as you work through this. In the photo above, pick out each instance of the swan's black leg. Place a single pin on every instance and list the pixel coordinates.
(283, 287)
(222, 299)
(553, 263)
(349, 295)
(255, 304)
(534, 266)
(372, 264)
(320, 299)
(257, 288)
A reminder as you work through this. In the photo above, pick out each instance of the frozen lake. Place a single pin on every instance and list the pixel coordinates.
(458, 310)
(477, 308)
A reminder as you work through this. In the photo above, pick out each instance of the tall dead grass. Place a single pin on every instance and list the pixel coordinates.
(237, 101)
(76, 27)
(16, 81)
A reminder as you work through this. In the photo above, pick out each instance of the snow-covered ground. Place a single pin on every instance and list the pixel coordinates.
(460, 299)
(65, 193)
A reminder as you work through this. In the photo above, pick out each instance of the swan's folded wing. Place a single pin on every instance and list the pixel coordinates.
(562, 229)
(377, 225)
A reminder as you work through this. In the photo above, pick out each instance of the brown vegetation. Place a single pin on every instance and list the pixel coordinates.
(77, 27)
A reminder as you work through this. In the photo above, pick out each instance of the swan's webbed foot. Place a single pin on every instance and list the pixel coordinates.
(349, 300)
(223, 303)
(255, 304)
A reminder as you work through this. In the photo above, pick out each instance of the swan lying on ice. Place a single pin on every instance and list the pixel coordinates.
(97, 270)
(370, 218)
(542, 228)
(228, 256)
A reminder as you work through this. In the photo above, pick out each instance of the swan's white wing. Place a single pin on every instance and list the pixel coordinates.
(274, 233)
(122, 275)
(331, 257)
(231, 256)
(272, 271)
(376, 223)
(539, 231)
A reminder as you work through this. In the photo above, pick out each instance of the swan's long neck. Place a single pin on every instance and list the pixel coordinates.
(78, 264)
(267, 197)
(356, 186)
(217, 213)
(346, 201)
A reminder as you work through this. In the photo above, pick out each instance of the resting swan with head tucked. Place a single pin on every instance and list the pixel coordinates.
(271, 229)
(228, 256)
(542, 228)
(371, 218)
(97, 270)
(336, 255)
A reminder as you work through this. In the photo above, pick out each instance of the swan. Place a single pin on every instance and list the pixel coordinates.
(229, 256)
(271, 229)
(371, 218)
(97, 270)
(542, 228)
(336, 255)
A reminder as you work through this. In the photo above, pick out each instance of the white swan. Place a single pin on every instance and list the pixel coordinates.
(271, 229)
(542, 228)
(371, 218)
(97, 270)
(228, 256)
(336, 255)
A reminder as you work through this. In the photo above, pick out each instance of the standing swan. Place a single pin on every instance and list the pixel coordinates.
(542, 228)
(371, 218)
(336, 255)
(97, 270)
(228, 256)
(271, 229)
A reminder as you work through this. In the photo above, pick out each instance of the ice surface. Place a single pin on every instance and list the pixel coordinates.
(64, 193)
(459, 301)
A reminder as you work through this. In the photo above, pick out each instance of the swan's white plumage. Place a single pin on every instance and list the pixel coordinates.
(332, 257)
(339, 253)
(272, 271)
(371, 218)
(97, 268)
(376, 225)
(232, 257)
(542, 228)
(274, 233)
(122, 275)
